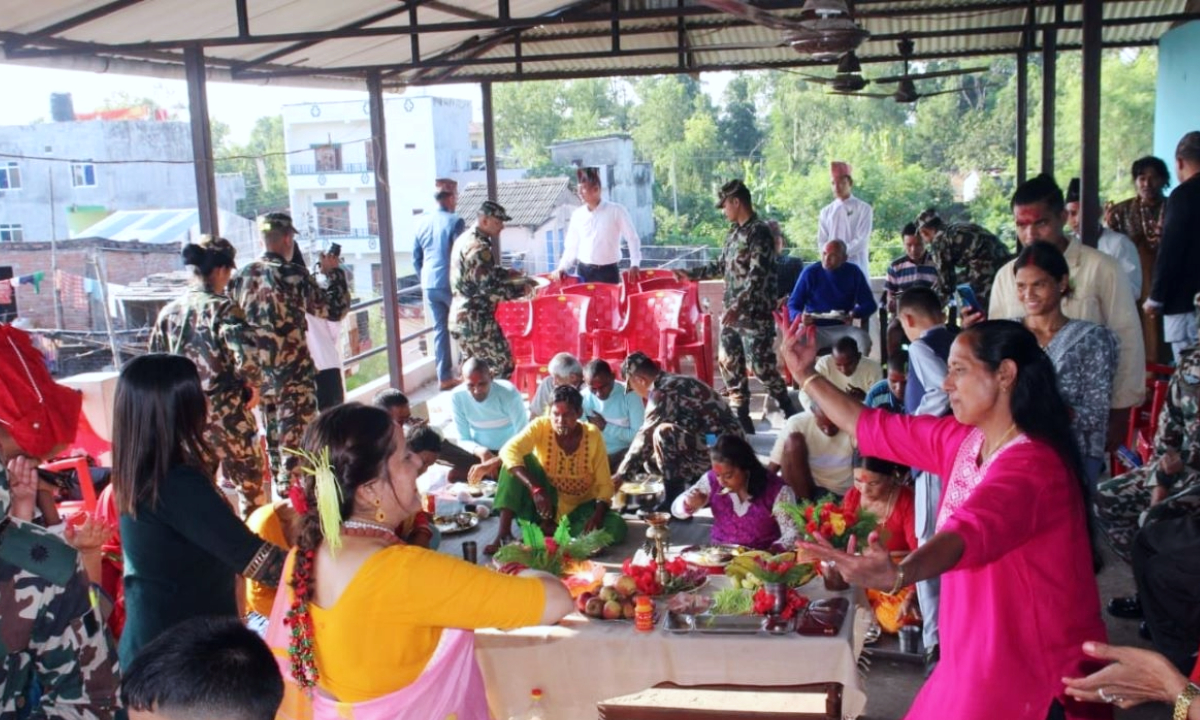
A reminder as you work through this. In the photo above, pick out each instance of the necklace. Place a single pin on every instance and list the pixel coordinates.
(888, 507)
(1049, 332)
(988, 453)
(366, 528)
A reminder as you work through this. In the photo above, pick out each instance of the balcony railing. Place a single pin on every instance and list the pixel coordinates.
(347, 232)
(344, 168)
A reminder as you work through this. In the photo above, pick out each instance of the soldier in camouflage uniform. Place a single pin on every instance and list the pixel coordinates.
(275, 293)
(59, 660)
(747, 262)
(1169, 485)
(680, 412)
(210, 330)
(962, 245)
(478, 283)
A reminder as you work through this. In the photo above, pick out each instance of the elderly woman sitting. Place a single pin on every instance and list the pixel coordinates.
(557, 466)
(745, 499)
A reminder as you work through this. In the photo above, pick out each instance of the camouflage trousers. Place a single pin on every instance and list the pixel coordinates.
(678, 455)
(481, 337)
(287, 414)
(233, 435)
(755, 346)
(1123, 505)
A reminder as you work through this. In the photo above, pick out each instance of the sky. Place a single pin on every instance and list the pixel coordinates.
(27, 93)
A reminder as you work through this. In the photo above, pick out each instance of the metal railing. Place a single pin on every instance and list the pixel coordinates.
(313, 169)
(366, 304)
(345, 232)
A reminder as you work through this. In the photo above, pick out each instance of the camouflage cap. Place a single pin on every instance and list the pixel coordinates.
(733, 189)
(216, 243)
(929, 218)
(491, 208)
(276, 221)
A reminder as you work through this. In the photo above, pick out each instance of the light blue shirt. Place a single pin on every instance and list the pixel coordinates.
(488, 424)
(623, 413)
(431, 249)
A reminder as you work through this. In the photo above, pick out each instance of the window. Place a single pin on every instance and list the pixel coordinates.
(10, 176)
(10, 232)
(333, 220)
(83, 175)
(377, 278)
(372, 218)
(329, 158)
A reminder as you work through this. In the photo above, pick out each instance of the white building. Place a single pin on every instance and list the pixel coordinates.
(331, 179)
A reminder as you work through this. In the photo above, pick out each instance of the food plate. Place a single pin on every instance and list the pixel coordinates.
(487, 488)
(711, 556)
(683, 623)
(456, 523)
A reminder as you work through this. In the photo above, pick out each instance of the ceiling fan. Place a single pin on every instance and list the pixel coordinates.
(849, 79)
(826, 29)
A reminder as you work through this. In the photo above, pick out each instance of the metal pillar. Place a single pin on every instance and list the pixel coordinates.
(202, 147)
(1089, 170)
(383, 210)
(1049, 88)
(489, 150)
(1022, 115)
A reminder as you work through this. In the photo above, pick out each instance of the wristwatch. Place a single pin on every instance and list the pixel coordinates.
(1184, 701)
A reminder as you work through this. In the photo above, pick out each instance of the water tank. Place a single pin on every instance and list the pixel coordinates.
(62, 109)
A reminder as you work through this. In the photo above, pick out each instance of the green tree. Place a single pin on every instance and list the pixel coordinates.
(260, 162)
(738, 126)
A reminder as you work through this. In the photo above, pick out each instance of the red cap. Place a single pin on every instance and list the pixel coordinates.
(39, 413)
(839, 169)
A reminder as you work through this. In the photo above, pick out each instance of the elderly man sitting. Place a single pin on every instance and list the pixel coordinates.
(557, 467)
(813, 456)
(846, 368)
(831, 296)
(618, 412)
(487, 414)
(565, 369)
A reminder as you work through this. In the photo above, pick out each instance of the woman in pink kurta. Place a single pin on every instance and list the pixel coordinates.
(1011, 547)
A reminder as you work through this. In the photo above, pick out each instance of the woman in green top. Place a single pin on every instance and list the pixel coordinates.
(182, 542)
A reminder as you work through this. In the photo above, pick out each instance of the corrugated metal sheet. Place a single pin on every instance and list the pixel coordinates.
(646, 43)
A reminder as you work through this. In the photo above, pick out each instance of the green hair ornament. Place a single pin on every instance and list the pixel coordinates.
(328, 494)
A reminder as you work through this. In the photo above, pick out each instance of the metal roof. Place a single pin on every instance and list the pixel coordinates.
(530, 202)
(421, 42)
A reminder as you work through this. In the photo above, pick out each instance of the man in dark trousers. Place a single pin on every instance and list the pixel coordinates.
(1177, 269)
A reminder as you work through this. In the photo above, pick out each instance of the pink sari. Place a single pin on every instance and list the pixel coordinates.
(450, 688)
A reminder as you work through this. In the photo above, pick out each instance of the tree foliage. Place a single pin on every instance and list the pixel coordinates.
(260, 161)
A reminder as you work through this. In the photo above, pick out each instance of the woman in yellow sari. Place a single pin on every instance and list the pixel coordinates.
(370, 627)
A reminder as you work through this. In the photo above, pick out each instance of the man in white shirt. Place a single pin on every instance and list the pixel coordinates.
(846, 218)
(1112, 243)
(1100, 292)
(610, 406)
(593, 242)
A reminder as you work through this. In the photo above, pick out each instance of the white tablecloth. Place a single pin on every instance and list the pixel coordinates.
(582, 662)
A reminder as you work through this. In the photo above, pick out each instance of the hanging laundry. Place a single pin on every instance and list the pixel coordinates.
(34, 279)
(6, 292)
(70, 288)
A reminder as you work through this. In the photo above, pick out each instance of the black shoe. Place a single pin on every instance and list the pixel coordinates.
(743, 417)
(1127, 608)
(785, 404)
(1144, 630)
(932, 656)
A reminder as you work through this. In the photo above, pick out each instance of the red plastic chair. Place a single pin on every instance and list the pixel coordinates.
(84, 473)
(629, 288)
(513, 317)
(652, 325)
(697, 342)
(556, 286)
(558, 324)
(1143, 419)
(604, 314)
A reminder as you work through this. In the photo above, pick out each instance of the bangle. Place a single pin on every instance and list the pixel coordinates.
(1184, 701)
(810, 378)
(899, 580)
(535, 490)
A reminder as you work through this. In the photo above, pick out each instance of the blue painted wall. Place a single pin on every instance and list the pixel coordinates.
(1177, 110)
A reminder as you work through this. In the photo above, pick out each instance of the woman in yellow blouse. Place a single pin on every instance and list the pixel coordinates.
(557, 466)
(366, 620)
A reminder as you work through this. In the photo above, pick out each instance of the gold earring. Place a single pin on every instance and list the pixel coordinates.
(379, 516)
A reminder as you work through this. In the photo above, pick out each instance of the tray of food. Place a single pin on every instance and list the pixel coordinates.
(457, 523)
(711, 556)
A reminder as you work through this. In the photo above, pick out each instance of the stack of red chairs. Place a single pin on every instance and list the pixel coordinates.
(697, 341)
(558, 323)
(605, 313)
(652, 325)
(513, 318)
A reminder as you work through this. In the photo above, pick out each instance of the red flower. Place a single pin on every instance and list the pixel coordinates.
(811, 528)
(551, 546)
(763, 602)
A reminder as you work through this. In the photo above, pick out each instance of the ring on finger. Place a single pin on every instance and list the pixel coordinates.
(1105, 696)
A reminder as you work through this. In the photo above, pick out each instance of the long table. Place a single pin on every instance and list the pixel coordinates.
(581, 662)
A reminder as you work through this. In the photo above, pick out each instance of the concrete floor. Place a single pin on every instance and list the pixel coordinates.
(890, 683)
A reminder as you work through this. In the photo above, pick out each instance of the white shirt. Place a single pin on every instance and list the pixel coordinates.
(594, 236)
(1121, 248)
(850, 221)
(324, 342)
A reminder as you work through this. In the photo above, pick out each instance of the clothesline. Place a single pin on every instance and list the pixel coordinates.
(76, 290)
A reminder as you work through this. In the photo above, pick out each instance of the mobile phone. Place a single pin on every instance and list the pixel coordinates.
(334, 250)
(967, 299)
(1129, 457)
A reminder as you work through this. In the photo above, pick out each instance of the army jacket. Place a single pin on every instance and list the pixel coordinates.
(747, 262)
(683, 401)
(1179, 423)
(51, 630)
(477, 279)
(211, 331)
(275, 294)
(967, 246)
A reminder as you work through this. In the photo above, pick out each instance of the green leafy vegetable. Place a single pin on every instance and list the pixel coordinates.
(732, 601)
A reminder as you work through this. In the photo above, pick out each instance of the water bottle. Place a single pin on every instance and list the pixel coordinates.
(534, 711)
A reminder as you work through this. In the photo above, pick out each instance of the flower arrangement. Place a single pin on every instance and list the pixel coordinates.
(555, 554)
(764, 604)
(781, 569)
(830, 521)
(682, 577)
